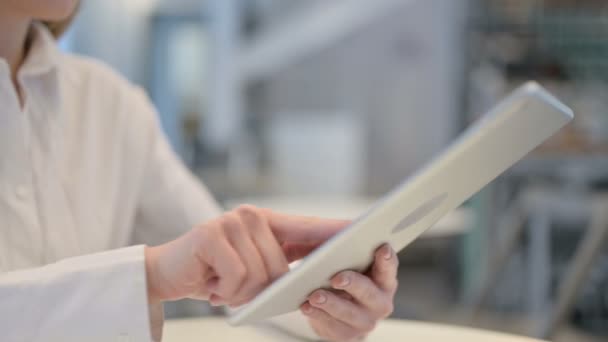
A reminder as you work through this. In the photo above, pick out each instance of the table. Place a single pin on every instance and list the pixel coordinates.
(216, 329)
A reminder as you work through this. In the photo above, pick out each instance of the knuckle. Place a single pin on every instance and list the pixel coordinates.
(248, 213)
(207, 234)
(261, 278)
(230, 222)
(204, 232)
(239, 272)
(256, 228)
(391, 286)
(252, 284)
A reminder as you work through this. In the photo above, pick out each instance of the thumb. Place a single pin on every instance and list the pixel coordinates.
(303, 229)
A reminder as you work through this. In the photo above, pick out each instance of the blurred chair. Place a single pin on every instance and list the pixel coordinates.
(541, 208)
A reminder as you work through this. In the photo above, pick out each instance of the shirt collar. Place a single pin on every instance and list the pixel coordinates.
(43, 55)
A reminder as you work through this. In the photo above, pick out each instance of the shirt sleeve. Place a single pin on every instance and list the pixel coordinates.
(171, 199)
(97, 297)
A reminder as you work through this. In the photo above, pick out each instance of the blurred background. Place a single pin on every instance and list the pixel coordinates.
(319, 107)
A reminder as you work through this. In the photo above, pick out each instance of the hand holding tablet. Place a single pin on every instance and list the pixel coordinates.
(507, 133)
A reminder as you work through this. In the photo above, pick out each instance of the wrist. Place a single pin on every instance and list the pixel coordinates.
(151, 255)
(155, 306)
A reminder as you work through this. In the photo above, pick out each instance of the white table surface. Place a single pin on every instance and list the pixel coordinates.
(455, 223)
(216, 329)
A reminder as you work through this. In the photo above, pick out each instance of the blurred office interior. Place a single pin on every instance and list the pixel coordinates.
(319, 107)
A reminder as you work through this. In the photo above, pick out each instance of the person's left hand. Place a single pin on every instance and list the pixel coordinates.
(358, 301)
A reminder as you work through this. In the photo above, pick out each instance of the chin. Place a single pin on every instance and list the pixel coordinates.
(59, 9)
(47, 10)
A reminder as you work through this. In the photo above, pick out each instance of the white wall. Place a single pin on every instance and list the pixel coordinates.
(401, 74)
(116, 32)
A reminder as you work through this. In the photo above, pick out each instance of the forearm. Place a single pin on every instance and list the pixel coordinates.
(99, 297)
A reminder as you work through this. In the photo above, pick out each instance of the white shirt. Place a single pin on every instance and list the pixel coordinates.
(84, 172)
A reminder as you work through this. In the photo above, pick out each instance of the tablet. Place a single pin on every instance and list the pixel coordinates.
(516, 126)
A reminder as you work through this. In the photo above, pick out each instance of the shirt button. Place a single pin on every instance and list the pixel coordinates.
(21, 192)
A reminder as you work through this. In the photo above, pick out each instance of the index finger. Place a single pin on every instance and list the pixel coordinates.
(226, 263)
(303, 229)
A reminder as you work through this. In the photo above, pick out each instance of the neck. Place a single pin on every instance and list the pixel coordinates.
(13, 35)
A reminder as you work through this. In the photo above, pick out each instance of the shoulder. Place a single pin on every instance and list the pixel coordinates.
(102, 91)
(101, 100)
(87, 72)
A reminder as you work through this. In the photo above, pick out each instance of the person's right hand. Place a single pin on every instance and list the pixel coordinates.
(230, 259)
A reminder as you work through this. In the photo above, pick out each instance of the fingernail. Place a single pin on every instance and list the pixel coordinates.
(320, 298)
(216, 300)
(344, 281)
(388, 253)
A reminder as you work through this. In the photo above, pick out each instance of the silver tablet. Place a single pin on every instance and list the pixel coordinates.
(496, 141)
